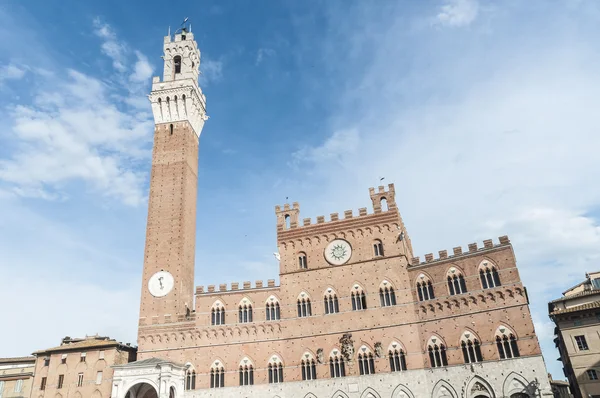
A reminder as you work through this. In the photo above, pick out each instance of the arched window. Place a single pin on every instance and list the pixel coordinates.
(488, 274)
(424, 288)
(217, 314)
(330, 301)
(177, 63)
(304, 307)
(245, 311)
(383, 204)
(337, 367)
(366, 361)
(309, 367)
(397, 357)
(287, 221)
(275, 369)
(302, 260)
(272, 310)
(190, 379)
(358, 298)
(217, 375)
(437, 353)
(506, 342)
(456, 282)
(471, 348)
(377, 248)
(387, 296)
(246, 372)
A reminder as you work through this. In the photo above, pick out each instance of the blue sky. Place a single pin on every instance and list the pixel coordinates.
(484, 115)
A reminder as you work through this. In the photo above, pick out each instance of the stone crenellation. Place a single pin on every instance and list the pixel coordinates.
(235, 287)
(458, 251)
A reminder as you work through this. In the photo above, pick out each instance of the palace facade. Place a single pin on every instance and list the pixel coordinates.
(355, 313)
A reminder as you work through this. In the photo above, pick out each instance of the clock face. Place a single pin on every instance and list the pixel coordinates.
(338, 252)
(160, 284)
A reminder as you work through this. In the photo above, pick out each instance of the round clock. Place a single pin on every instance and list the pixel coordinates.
(338, 252)
(160, 284)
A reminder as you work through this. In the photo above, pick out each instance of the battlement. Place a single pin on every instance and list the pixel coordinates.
(458, 251)
(383, 202)
(235, 287)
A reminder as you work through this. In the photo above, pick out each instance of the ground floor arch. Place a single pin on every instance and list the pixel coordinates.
(142, 390)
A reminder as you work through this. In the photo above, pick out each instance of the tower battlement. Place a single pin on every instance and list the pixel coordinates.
(473, 248)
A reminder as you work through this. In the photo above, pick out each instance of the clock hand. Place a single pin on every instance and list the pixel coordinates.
(160, 281)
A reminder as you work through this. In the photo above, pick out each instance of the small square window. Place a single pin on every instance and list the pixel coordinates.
(61, 379)
(101, 355)
(43, 384)
(592, 375)
(581, 343)
(19, 385)
(46, 361)
(79, 379)
(63, 359)
(99, 377)
(82, 358)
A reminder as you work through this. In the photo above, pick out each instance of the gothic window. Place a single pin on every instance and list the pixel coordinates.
(275, 370)
(190, 379)
(358, 298)
(437, 353)
(506, 342)
(246, 373)
(217, 314)
(424, 288)
(396, 357)
(456, 282)
(272, 310)
(366, 361)
(488, 274)
(217, 375)
(471, 348)
(177, 62)
(387, 296)
(309, 367)
(377, 248)
(245, 311)
(330, 301)
(337, 367)
(302, 260)
(304, 308)
(592, 375)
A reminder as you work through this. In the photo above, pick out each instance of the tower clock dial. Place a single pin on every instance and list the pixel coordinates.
(160, 284)
(338, 252)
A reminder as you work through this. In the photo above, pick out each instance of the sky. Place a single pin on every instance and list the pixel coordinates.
(483, 114)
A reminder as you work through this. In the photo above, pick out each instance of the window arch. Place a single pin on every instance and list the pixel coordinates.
(272, 310)
(456, 281)
(245, 311)
(304, 307)
(424, 288)
(217, 314)
(309, 367)
(330, 301)
(302, 263)
(387, 295)
(177, 64)
(217, 375)
(437, 352)
(506, 343)
(246, 372)
(287, 220)
(190, 379)
(471, 348)
(275, 369)
(383, 204)
(366, 361)
(488, 274)
(377, 248)
(397, 357)
(337, 366)
(358, 298)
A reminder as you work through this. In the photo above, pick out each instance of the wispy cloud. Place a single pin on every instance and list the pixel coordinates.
(11, 72)
(111, 46)
(457, 13)
(263, 53)
(143, 70)
(211, 70)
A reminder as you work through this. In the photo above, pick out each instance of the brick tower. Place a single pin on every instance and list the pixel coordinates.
(179, 109)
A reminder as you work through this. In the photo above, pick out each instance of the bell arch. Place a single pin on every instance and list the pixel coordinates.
(478, 387)
(443, 389)
(402, 392)
(143, 389)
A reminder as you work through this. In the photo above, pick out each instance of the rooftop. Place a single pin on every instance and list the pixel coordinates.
(88, 342)
(17, 360)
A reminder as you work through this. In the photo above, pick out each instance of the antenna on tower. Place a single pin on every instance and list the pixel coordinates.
(182, 27)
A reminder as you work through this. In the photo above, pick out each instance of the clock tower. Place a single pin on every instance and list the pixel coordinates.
(179, 109)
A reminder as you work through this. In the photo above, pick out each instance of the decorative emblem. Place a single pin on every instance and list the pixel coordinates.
(320, 355)
(452, 270)
(378, 350)
(347, 347)
(338, 252)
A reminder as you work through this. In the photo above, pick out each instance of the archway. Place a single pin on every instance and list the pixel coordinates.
(142, 390)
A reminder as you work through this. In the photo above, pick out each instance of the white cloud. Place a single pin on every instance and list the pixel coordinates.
(337, 148)
(111, 46)
(11, 72)
(211, 70)
(457, 13)
(142, 70)
(262, 53)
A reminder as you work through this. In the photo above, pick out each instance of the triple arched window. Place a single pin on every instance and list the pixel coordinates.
(387, 296)
(488, 274)
(337, 366)
(397, 357)
(217, 314)
(309, 367)
(304, 307)
(245, 312)
(246, 373)
(330, 301)
(437, 353)
(358, 298)
(366, 361)
(424, 288)
(471, 348)
(506, 342)
(275, 369)
(456, 282)
(217, 375)
(377, 248)
(190, 379)
(272, 310)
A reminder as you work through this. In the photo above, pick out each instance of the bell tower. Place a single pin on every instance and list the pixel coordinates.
(179, 109)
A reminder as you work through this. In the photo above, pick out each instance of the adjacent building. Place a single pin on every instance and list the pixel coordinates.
(79, 368)
(577, 335)
(16, 377)
(355, 313)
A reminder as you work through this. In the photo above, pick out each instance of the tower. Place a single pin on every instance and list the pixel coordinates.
(179, 109)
